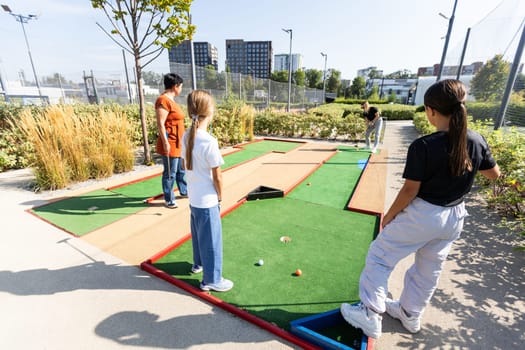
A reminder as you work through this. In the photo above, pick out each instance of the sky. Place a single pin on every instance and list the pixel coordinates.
(355, 34)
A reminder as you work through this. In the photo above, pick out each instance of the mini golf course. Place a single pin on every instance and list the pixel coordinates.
(85, 213)
(308, 229)
(314, 225)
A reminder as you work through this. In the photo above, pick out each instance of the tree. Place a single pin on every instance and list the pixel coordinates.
(392, 97)
(152, 79)
(489, 82)
(314, 77)
(299, 77)
(334, 81)
(374, 93)
(280, 76)
(358, 87)
(144, 28)
(374, 73)
(211, 79)
(55, 79)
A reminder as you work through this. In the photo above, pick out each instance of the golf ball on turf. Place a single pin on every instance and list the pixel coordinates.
(260, 262)
(298, 272)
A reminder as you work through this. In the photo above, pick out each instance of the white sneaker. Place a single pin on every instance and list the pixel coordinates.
(223, 286)
(394, 309)
(196, 269)
(359, 316)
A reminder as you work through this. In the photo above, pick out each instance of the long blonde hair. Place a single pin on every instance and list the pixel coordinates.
(200, 106)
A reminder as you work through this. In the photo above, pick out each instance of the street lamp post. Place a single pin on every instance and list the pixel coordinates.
(445, 47)
(324, 76)
(289, 31)
(23, 20)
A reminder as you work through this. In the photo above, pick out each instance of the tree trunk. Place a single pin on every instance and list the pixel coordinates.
(142, 111)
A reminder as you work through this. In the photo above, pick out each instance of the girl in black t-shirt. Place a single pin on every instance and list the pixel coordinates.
(427, 215)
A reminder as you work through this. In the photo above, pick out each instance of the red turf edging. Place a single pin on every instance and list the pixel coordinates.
(148, 267)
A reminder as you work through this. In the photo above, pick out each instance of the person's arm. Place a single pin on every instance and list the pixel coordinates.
(217, 181)
(162, 115)
(406, 194)
(491, 174)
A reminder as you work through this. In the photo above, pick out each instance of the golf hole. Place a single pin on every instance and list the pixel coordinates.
(285, 239)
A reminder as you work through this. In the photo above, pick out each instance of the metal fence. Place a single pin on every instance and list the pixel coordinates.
(119, 87)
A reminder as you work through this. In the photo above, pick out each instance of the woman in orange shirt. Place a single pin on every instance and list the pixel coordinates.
(170, 123)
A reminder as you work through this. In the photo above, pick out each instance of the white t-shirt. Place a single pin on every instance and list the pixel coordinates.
(205, 156)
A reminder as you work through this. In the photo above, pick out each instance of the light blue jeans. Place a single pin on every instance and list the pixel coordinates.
(376, 130)
(426, 229)
(175, 175)
(206, 240)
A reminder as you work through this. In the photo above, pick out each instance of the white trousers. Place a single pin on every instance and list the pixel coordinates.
(376, 130)
(426, 229)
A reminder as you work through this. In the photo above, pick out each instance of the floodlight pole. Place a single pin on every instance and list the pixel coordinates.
(324, 76)
(510, 82)
(23, 20)
(460, 68)
(445, 47)
(289, 31)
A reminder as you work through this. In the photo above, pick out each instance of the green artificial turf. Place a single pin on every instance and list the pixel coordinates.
(143, 189)
(329, 245)
(74, 216)
(239, 157)
(266, 146)
(83, 214)
(334, 182)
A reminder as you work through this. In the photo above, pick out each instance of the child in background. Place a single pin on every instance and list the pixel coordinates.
(202, 161)
(427, 215)
(374, 124)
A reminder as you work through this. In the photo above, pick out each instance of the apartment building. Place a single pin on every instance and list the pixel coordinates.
(281, 62)
(249, 57)
(205, 55)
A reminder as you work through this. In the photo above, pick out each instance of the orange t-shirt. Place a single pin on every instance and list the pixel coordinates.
(174, 125)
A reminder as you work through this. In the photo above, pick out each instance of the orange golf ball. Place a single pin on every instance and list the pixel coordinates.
(298, 272)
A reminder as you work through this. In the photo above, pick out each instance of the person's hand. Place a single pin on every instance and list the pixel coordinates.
(386, 220)
(167, 147)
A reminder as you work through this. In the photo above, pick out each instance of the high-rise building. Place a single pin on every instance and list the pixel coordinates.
(281, 62)
(205, 55)
(249, 57)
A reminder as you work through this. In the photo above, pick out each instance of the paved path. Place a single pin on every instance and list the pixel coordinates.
(59, 292)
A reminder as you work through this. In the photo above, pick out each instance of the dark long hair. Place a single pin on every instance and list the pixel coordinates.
(448, 98)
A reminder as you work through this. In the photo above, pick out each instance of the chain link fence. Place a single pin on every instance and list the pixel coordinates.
(120, 87)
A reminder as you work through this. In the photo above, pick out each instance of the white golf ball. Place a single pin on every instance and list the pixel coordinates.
(260, 262)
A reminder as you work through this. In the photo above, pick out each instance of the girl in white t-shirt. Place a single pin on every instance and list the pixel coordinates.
(202, 161)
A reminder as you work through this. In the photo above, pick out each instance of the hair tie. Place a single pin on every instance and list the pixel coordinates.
(194, 117)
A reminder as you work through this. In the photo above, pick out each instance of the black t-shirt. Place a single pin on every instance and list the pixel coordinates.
(427, 162)
(371, 113)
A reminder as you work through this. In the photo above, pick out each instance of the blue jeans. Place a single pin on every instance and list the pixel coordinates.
(206, 240)
(173, 174)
